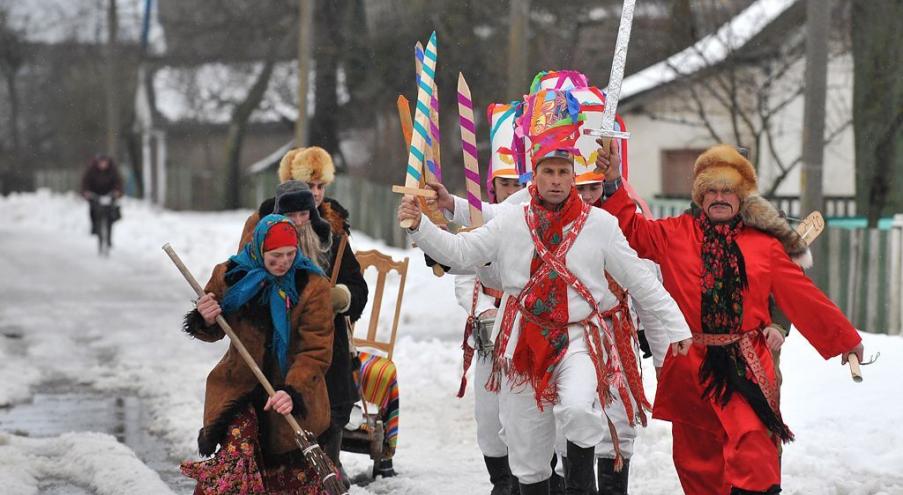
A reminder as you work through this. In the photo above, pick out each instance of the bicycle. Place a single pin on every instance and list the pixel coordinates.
(105, 211)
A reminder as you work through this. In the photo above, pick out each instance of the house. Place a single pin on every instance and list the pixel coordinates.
(743, 83)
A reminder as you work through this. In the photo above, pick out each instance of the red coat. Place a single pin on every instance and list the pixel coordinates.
(676, 245)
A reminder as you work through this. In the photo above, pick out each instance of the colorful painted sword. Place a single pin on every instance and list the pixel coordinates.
(416, 155)
(469, 145)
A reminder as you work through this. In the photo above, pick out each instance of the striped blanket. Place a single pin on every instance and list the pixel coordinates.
(379, 385)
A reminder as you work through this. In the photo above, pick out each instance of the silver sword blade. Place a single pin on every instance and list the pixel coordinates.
(613, 92)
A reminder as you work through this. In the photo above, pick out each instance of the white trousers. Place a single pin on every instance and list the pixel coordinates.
(605, 448)
(486, 410)
(530, 433)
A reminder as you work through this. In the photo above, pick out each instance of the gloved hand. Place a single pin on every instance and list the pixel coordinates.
(341, 298)
(430, 262)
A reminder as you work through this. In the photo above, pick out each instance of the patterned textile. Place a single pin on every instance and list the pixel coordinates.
(730, 364)
(626, 340)
(236, 467)
(544, 338)
(472, 323)
(379, 385)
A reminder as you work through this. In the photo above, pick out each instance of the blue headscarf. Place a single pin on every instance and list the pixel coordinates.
(279, 292)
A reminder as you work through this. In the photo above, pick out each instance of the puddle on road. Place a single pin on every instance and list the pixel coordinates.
(54, 411)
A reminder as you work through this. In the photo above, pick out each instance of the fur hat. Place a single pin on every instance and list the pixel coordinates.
(307, 164)
(295, 195)
(723, 164)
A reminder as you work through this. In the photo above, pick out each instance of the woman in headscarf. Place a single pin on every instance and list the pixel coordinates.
(278, 303)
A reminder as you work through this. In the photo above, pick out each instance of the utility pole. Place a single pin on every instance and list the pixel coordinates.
(818, 18)
(305, 52)
(112, 90)
(519, 20)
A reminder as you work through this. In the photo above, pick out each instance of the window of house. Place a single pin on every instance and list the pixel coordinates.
(677, 172)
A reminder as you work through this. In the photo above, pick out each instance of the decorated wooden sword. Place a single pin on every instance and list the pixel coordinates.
(416, 155)
(469, 146)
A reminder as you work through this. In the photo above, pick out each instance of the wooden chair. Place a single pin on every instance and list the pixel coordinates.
(383, 264)
(377, 434)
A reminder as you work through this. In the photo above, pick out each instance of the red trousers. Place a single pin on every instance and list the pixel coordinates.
(742, 454)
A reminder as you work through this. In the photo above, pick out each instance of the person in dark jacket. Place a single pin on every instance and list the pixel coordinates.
(99, 179)
(313, 166)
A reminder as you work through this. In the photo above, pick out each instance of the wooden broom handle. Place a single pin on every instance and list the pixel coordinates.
(231, 333)
(338, 260)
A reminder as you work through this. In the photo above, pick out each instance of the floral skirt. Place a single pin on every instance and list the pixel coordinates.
(238, 469)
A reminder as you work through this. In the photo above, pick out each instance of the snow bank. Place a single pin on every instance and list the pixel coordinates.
(94, 461)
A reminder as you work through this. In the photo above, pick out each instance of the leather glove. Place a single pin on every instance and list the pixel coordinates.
(341, 298)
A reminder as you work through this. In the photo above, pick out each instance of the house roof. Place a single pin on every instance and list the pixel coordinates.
(709, 51)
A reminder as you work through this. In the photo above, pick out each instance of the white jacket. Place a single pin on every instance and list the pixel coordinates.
(505, 242)
(658, 335)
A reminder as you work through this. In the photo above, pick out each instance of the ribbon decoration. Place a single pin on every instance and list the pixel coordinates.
(469, 147)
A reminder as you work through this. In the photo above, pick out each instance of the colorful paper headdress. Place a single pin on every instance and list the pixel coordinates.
(558, 80)
(551, 125)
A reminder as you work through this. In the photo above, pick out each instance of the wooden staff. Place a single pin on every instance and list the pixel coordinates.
(306, 440)
(855, 371)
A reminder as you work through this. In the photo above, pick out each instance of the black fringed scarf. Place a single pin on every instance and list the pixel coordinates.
(724, 371)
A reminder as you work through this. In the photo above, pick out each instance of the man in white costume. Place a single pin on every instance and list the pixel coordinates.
(555, 356)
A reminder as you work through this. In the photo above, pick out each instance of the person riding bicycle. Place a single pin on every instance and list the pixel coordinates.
(101, 178)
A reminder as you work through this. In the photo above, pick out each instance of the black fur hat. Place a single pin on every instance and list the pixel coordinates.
(295, 195)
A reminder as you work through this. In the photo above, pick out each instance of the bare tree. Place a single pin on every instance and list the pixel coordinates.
(241, 114)
(111, 79)
(749, 87)
(878, 111)
(12, 59)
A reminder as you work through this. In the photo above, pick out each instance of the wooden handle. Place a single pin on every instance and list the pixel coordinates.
(606, 151)
(337, 264)
(249, 360)
(855, 371)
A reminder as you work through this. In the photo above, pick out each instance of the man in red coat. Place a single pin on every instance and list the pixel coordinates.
(720, 262)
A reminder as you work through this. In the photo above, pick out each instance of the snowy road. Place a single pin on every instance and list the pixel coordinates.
(113, 325)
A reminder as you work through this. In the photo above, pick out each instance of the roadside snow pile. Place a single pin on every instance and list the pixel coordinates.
(93, 461)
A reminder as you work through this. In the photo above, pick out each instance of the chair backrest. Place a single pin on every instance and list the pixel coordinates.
(383, 265)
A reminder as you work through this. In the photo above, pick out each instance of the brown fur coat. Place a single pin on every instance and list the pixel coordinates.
(231, 384)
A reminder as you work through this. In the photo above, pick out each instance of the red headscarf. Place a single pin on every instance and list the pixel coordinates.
(280, 235)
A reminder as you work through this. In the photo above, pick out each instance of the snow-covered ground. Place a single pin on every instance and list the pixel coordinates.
(114, 325)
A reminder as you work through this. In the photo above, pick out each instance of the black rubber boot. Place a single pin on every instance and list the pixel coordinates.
(579, 477)
(503, 483)
(774, 490)
(384, 468)
(541, 488)
(611, 482)
(556, 483)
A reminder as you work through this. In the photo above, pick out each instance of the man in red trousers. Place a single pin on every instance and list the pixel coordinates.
(720, 262)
